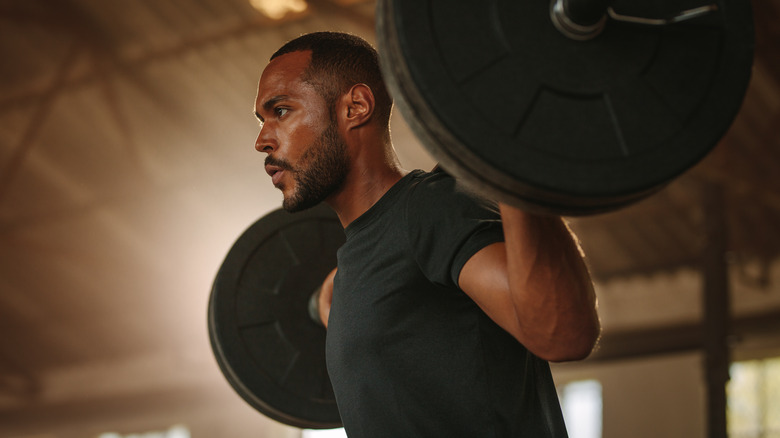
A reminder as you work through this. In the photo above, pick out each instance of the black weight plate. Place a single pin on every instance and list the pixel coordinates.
(267, 346)
(507, 103)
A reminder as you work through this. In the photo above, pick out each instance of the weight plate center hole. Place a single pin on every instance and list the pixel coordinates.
(619, 53)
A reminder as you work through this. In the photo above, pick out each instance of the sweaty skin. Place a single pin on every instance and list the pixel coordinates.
(306, 156)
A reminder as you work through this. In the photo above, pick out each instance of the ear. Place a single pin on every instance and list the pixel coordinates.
(358, 106)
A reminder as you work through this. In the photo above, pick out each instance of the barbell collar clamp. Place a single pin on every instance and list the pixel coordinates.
(583, 20)
(687, 14)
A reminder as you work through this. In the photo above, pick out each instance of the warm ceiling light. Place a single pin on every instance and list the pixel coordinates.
(277, 9)
(348, 2)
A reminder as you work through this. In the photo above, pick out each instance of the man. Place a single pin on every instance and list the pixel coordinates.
(445, 307)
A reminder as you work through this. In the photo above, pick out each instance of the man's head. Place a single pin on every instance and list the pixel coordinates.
(297, 102)
(339, 61)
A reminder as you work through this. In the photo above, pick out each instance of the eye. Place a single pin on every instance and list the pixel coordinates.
(280, 112)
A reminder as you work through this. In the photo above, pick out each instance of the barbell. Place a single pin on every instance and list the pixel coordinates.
(571, 107)
(267, 345)
(514, 105)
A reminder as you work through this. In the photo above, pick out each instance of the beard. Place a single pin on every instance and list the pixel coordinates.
(322, 170)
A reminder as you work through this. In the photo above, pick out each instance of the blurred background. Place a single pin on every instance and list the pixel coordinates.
(127, 170)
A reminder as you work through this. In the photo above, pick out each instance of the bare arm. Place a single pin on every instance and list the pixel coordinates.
(536, 286)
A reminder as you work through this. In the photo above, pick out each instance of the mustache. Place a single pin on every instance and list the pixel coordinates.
(278, 162)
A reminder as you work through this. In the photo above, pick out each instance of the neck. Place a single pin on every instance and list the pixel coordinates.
(374, 171)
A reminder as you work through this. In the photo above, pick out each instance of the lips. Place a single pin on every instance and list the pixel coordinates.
(275, 172)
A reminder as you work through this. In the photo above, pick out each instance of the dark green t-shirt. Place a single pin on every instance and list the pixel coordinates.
(411, 355)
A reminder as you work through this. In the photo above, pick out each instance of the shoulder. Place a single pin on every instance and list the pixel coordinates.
(437, 191)
(446, 224)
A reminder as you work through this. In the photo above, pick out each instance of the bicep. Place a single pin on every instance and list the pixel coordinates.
(484, 279)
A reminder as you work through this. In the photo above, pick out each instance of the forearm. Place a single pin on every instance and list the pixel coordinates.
(550, 286)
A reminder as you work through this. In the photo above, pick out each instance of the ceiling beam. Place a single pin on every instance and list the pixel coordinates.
(137, 61)
(350, 12)
(43, 107)
(681, 338)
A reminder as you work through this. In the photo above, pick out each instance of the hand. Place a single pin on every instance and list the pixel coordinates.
(325, 297)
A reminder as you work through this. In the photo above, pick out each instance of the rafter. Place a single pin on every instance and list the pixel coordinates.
(37, 120)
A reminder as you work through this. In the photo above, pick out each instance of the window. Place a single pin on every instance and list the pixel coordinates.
(174, 432)
(582, 408)
(754, 399)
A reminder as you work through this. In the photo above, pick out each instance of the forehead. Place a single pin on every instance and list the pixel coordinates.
(282, 77)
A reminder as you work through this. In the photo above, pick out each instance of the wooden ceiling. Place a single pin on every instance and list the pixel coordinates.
(127, 170)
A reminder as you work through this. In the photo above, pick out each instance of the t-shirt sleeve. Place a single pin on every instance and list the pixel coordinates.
(447, 224)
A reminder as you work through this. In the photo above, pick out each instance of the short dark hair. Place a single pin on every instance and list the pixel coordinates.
(339, 61)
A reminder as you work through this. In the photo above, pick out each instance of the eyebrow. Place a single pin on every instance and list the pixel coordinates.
(268, 104)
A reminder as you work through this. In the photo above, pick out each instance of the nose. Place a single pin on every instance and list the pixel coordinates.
(265, 142)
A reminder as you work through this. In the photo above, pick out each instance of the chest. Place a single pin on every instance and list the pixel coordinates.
(384, 304)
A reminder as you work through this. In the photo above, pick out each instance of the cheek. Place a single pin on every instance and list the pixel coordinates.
(302, 136)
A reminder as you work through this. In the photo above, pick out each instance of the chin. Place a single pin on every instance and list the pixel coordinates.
(295, 203)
